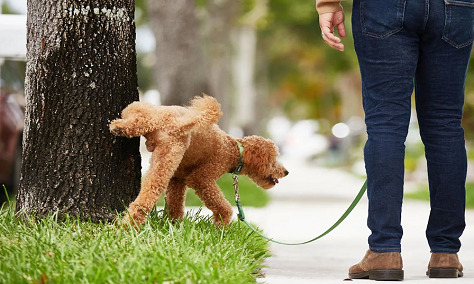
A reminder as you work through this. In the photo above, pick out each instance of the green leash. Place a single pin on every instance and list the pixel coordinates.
(241, 215)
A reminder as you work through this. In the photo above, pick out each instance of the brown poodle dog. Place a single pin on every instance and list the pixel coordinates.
(189, 149)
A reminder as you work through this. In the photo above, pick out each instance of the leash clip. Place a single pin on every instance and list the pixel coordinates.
(241, 214)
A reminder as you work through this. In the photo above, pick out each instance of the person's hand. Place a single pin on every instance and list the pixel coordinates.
(327, 22)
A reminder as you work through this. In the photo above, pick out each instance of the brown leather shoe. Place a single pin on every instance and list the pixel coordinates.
(378, 266)
(444, 265)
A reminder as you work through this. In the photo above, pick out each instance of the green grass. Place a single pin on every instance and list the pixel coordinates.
(190, 251)
(423, 194)
(250, 194)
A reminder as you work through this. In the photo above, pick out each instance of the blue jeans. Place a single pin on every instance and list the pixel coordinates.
(423, 45)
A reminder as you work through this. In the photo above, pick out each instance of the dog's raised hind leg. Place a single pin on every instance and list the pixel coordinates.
(130, 127)
(164, 161)
(137, 119)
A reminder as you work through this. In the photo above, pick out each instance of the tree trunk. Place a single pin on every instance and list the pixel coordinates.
(180, 71)
(249, 107)
(218, 23)
(246, 110)
(81, 72)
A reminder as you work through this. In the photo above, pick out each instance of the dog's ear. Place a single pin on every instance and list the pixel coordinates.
(258, 152)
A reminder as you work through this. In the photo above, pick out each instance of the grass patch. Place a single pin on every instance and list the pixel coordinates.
(190, 251)
(424, 194)
(250, 194)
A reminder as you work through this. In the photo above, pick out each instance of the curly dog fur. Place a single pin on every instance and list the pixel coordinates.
(190, 150)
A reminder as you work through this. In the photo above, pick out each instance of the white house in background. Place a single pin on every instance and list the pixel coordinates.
(13, 37)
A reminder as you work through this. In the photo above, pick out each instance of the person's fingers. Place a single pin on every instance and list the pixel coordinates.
(327, 22)
(335, 45)
(341, 29)
(338, 21)
(329, 33)
(332, 40)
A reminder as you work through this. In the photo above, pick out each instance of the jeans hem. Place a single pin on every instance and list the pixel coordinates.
(392, 249)
(451, 251)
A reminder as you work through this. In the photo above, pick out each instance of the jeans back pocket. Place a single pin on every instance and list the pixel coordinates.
(459, 22)
(381, 18)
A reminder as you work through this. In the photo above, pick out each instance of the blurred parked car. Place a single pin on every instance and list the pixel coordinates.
(11, 128)
(13, 47)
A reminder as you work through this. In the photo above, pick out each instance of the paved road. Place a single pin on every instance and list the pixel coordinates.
(309, 201)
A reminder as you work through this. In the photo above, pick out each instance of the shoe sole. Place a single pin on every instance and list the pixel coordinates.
(380, 275)
(444, 273)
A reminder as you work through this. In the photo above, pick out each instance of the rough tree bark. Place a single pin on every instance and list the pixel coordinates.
(180, 71)
(81, 72)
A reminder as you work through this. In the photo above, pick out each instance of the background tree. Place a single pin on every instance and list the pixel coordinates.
(193, 49)
(81, 72)
(251, 94)
(180, 70)
(218, 22)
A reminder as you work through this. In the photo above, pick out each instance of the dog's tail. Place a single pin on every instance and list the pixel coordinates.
(206, 109)
(203, 112)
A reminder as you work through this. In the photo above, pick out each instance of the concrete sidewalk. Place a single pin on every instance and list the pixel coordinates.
(309, 201)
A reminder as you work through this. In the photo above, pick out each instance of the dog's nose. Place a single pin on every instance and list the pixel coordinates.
(286, 173)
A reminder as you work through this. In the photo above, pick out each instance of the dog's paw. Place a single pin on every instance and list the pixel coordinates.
(128, 222)
(123, 224)
(221, 221)
(117, 132)
(134, 217)
(116, 128)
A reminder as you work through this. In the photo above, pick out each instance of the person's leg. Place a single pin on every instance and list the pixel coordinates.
(444, 56)
(388, 55)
